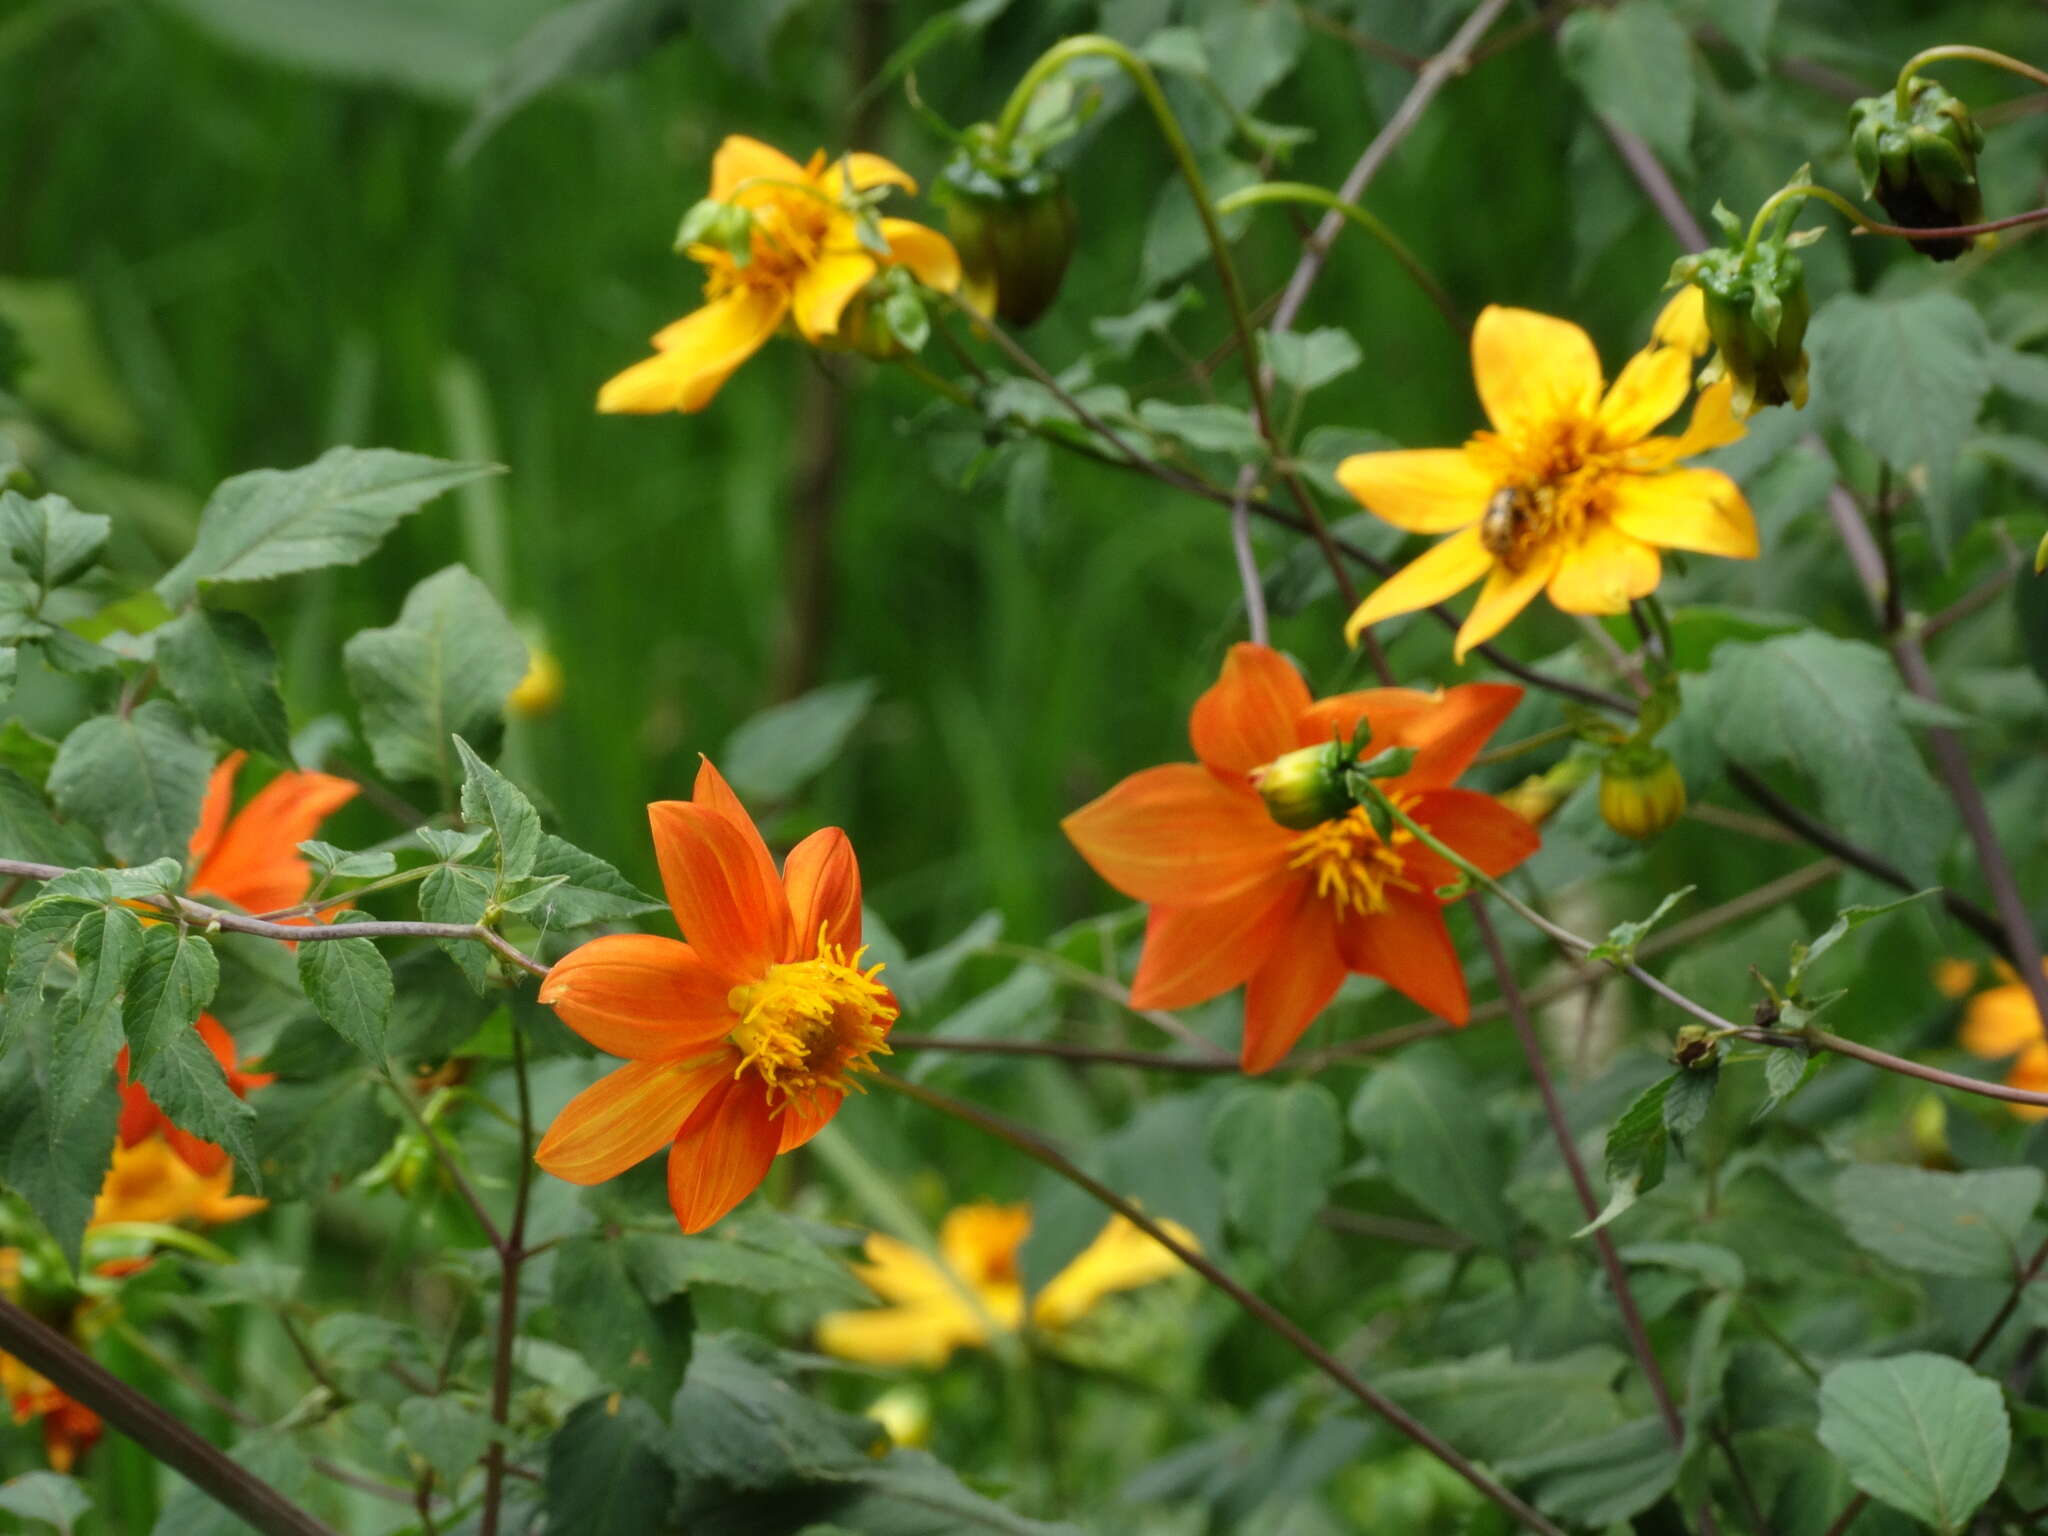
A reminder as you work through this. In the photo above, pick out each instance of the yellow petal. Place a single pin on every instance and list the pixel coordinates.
(1451, 566)
(1684, 322)
(625, 1117)
(1713, 425)
(895, 1271)
(698, 353)
(823, 292)
(1424, 490)
(921, 1336)
(1122, 1258)
(1604, 573)
(1696, 509)
(1505, 594)
(863, 171)
(1653, 384)
(980, 1241)
(741, 160)
(2001, 1022)
(1533, 369)
(928, 254)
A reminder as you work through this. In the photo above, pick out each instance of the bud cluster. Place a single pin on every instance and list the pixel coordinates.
(1916, 150)
(1756, 311)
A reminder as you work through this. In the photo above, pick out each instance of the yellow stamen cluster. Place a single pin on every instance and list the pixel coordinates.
(1352, 867)
(1550, 489)
(809, 1025)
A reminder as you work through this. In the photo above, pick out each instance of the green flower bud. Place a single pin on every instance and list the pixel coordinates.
(1920, 164)
(1640, 791)
(1694, 1046)
(1306, 787)
(1756, 311)
(1015, 232)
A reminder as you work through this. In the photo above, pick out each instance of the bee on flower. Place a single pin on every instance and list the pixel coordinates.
(778, 242)
(975, 1284)
(741, 1043)
(1569, 493)
(1261, 872)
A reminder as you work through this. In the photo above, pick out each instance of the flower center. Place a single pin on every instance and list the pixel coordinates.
(1350, 864)
(808, 1025)
(1551, 487)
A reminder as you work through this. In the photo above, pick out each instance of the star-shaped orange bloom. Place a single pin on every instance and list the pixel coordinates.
(742, 1042)
(1239, 900)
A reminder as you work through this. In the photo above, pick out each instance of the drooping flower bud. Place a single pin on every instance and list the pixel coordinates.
(1015, 230)
(1306, 787)
(1756, 309)
(1920, 162)
(1641, 792)
(1537, 797)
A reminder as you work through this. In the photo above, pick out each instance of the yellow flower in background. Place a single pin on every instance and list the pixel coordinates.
(539, 692)
(786, 243)
(1569, 493)
(1954, 977)
(928, 1318)
(150, 1182)
(2002, 1021)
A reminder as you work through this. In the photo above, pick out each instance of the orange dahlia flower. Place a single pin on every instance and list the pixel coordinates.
(2002, 1023)
(741, 1042)
(1569, 493)
(806, 258)
(1238, 899)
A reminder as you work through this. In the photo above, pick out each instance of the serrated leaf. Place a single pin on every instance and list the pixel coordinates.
(447, 1435)
(334, 511)
(441, 671)
(459, 893)
(173, 983)
(29, 829)
(1636, 1146)
(1277, 1148)
(489, 799)
(1422, 1114)
(1608, 1479)
(1619, 946)
(56, 1169)
(774, 754)
(1495, 1407)
(588, 890)
(136, 779)
(107, 945)
(737, 1423)
(349, 981)
(223, 669)
(1690, 1096)
(1634, 62)
(1786, 1070)
(332, 863)
(146, 882)
(1965, 1224)
(49, 538)
(635, 1342)
(1846, 920)
(1920, 1432)
(756, 1249)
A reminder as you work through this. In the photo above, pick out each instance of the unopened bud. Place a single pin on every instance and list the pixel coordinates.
(1641, 792)
(1694, 1046)
(1015, 232)
(1306, 787)
(1920, 163)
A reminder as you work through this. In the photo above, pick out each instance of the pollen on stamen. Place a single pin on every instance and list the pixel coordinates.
(1351, 866)
(809, 1025)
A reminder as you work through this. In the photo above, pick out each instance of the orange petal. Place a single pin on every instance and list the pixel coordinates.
(1696, 509)
(640, 996)
(826, 288)
(1505, 594)
(1652, 385)
(723, 1153)
(1605, 572)
(1425, 490)
(740, 160)
(712, 792)
(2030, 1072)
(213, 810)
(1474, 825)
(807, 1116)
(1452, 565)
(1247, 716)
(929, 254)
(628, 1115)
(1408, 947)
(255, 861)
(822, 879)
(1532, 370)
(697, 354)
(1446, 729)
(1176, 834)
(730, 909)
(1192, 954)
(1294, 985)
(2001, 1022)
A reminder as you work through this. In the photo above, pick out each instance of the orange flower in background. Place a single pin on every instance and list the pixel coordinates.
(2002, 1022)
(743, 1041)
(1569, 493)
(805, 258)
(1237, 899)
(70, 1429)
(151, 1182)
(252, 859)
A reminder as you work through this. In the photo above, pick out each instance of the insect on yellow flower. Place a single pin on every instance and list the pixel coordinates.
(1569, 492)
(788, 244)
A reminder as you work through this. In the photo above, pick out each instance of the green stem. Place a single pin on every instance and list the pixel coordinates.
(2005, 61)
(163, 1236)
(1834, 200)
(1303, 192)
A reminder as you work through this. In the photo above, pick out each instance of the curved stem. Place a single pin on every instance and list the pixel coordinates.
(1902, 92)
(1821, 1040)
(1048, 1156)
(1834, 200)
(1954, 231)
(1319, 197)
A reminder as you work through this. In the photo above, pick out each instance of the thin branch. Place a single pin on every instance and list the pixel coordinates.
(449, 1166)
(510, 1256)
(1821, 1040)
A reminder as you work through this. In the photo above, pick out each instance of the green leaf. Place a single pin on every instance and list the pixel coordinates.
(349, 981)
(589, 37)
(1787, 1069)
(1849, 918)
(774, 754)
(1604, 1480)
(107, 945)
(136, 779)
(1495, 1408)
(1636, 1146)
(603, 1477)
(1827, 708)
(756, 1249)
(57, 1169)
(1690, 1096)
(447, 1435)
(334, 511)
(46, 1496)
(221, 666)
(459, 893)
(332, 863)
(175, 980)
(1967, 1224)
(909, 1493)
(270, 1456)
(737, 1423)
(1619, 947)
(590, 890)
(1207, 428)
(1307, 360)
(30, 830)
(1423, 1116)
(1923, 1433)
(1278, 1148)
(441, 671)
(489, 799)
(1907, 376)
(50, 539)
(1634, 62)
(311, 1136)
(636, 1342)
